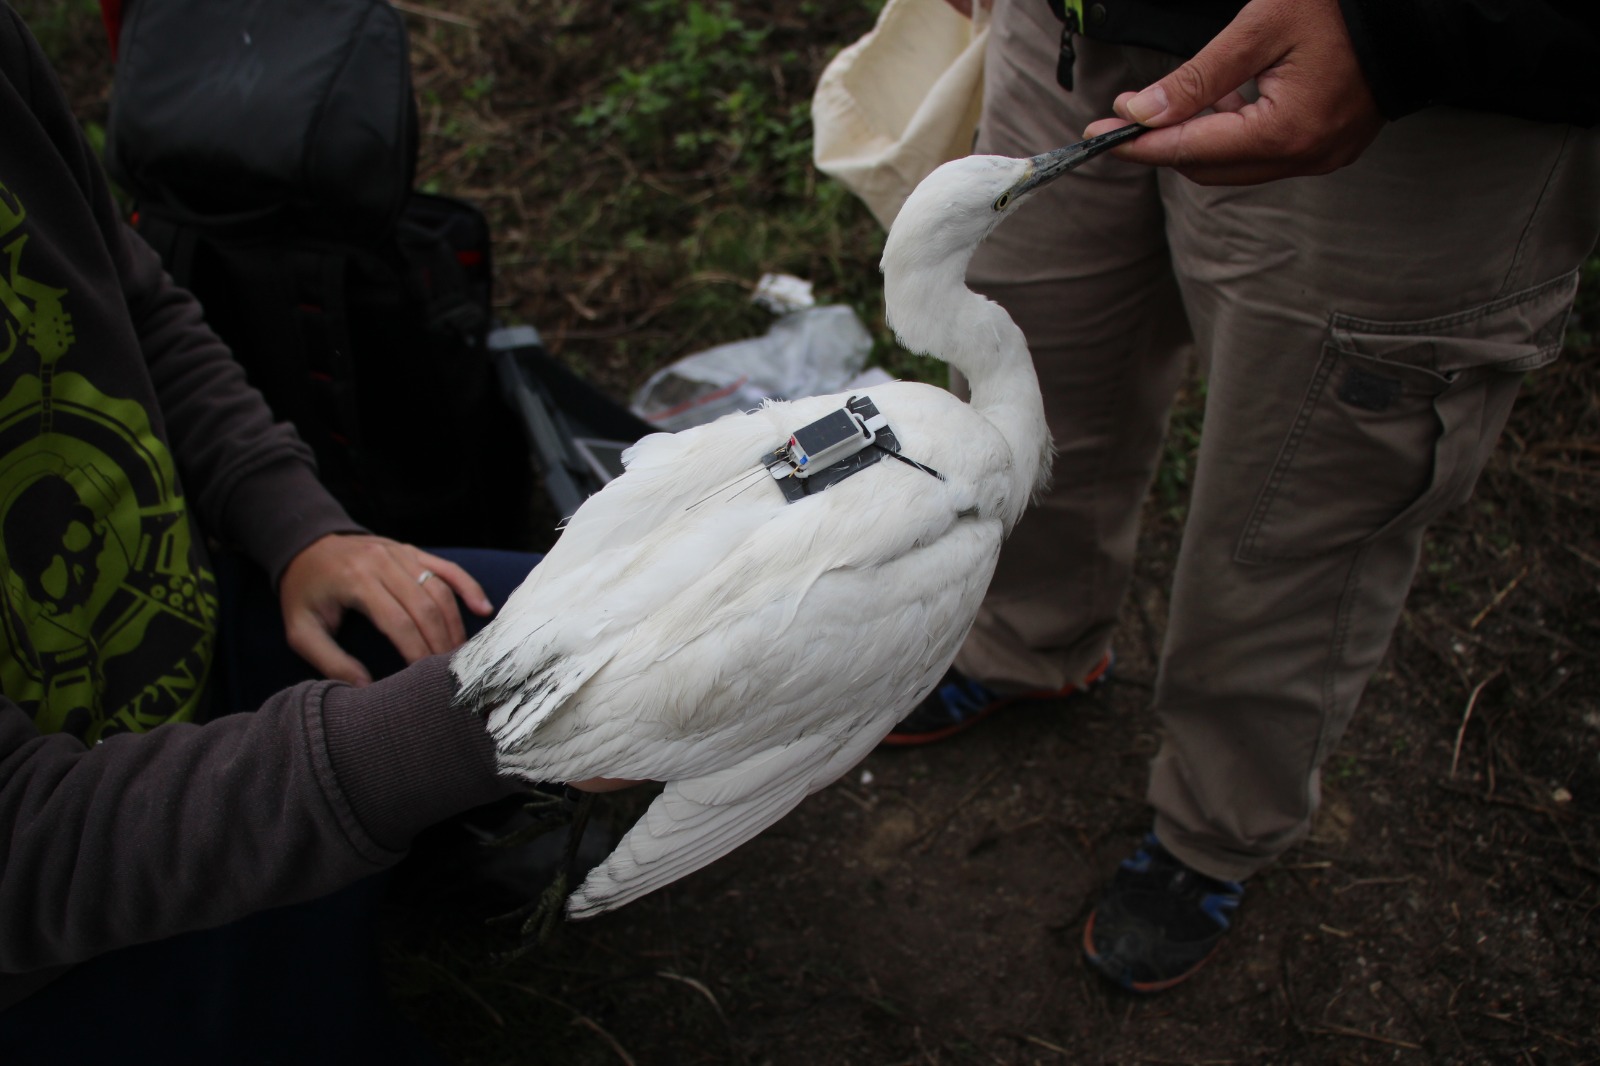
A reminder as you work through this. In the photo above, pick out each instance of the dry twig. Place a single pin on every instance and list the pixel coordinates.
(1329, 1029)
(578, 1018)
(1498, 598)
(1472, 701)
(920, 844)
(433, 13)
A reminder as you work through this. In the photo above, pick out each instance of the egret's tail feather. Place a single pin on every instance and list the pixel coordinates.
(513, 703)
(647, 859)
(698, 820)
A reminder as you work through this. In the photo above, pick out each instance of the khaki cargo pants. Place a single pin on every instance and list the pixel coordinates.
(1364, 334)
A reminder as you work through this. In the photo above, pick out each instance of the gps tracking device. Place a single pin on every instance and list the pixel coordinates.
(835, 446)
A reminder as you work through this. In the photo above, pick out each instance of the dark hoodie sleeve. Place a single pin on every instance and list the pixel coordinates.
(146, 835)
(1530, 59)
(187, 827)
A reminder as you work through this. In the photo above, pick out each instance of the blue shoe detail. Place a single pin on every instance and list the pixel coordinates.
(959, 702)
(1221, 907)
(1159, 920)
(964, 698)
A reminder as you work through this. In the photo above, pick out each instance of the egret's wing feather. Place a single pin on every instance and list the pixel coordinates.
(780, 562)
(746, 652)
(695, 822)
(629, 549)
(697, 577)
(692, 530)
(853, 643)
(627, 874)
(699, 819)
(691, 627)
(679, 834)
(668, 474)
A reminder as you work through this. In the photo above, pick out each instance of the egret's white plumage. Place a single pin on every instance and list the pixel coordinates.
(691, 626)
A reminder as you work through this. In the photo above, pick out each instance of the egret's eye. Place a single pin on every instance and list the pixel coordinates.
(1000, 204)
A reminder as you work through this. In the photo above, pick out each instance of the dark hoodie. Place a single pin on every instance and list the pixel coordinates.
(127, 435)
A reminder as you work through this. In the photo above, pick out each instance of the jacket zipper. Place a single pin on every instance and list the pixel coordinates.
(1072, 24)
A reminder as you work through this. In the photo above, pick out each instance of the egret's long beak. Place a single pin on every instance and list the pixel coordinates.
(1051, 165)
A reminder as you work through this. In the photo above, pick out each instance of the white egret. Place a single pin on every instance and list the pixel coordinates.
(699, 625)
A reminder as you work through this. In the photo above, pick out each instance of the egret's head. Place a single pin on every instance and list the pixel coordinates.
(956, 207)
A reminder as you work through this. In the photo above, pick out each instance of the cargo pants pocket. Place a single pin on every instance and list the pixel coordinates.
(1399, 420)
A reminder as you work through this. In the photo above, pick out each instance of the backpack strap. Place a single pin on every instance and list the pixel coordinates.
(173, 242)
(454, 309)
(287, 303)
(318, 279)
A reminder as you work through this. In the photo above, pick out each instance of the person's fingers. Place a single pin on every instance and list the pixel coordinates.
(408, 594)
(432, 604)
(461, 582)
(1106, 125)
(1189, 148)
(429, 605)
(1313, 111)
(1226, 147)
(1234, 101)
(417, 614)
(1121, 105)
(308, 636)
(408, 617)
(1234, 56)
(431, 599)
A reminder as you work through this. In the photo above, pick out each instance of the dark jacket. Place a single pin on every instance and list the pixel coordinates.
(1535, 59)
(125, 430)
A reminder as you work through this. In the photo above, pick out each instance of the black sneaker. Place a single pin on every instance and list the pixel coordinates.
(959, 703)
(1159, 920)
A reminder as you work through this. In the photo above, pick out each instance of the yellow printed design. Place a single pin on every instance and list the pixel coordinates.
(108, 616)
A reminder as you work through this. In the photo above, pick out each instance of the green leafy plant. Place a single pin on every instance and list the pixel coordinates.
(1181, 451)
(715, 68)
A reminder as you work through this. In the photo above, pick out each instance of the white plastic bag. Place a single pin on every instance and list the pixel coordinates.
(806, 352)
(900, 101)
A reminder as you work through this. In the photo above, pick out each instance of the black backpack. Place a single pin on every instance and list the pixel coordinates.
(271, 150)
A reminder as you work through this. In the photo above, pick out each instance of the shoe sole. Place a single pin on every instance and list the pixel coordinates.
(909, 740)
(1143, 988)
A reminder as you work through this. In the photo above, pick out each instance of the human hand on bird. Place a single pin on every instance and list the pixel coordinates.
(409, 595)
(1315, 112)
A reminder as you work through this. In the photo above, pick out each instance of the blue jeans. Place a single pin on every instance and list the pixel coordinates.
(293, 985)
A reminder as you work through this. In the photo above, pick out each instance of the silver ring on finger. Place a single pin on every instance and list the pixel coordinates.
(422, 578)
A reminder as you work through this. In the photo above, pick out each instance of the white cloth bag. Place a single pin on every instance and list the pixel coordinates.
(900, 101)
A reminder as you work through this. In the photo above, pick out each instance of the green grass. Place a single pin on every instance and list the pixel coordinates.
(643, 174)
(58, 24)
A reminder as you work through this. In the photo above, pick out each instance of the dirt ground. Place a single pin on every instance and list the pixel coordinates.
(928, 908)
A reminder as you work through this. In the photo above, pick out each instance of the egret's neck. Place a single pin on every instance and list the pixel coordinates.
(933, 312)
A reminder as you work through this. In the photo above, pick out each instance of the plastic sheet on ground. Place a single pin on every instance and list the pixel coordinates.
(807, 352)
